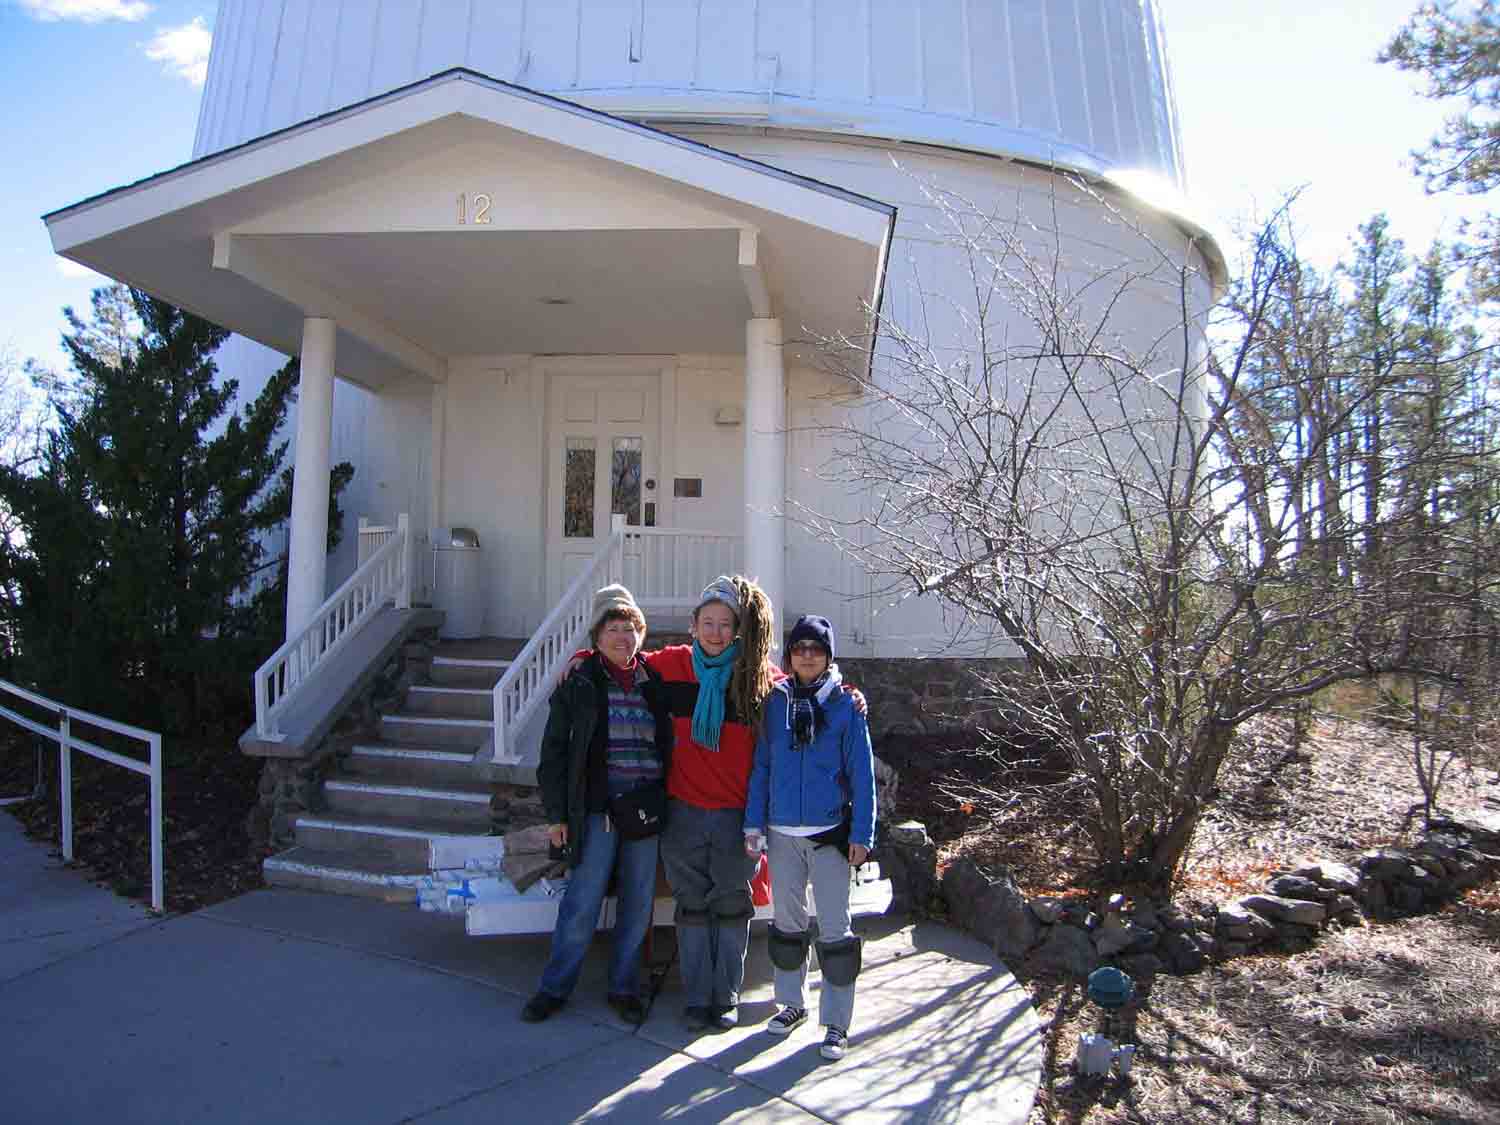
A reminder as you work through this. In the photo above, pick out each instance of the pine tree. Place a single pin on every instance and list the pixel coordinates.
(145, 524)
(1456, 49)
(1376, 354)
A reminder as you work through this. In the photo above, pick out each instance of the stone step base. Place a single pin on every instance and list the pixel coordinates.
(450, 702)
(436, 730)
(496, 908)
(467, 672)
(410, 764)
(444, 806)
(338, 873)
(415, 844)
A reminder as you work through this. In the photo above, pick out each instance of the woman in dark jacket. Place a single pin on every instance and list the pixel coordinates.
(609, 733)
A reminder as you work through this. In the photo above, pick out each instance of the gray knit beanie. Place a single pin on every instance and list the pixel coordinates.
(721, 589)
(613, 597)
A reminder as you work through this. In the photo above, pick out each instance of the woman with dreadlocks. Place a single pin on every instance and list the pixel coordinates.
(715, 688)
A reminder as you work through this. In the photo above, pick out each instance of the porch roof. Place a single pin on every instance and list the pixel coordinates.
(462, 215)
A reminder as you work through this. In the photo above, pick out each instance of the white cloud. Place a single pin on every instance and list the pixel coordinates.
(70, 269)
(183, 50)
(87, 11)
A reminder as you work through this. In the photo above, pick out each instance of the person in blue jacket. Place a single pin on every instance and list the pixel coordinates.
(812, 802)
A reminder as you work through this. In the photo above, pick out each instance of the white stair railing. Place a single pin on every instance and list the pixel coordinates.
(532, 675)
(384, 576)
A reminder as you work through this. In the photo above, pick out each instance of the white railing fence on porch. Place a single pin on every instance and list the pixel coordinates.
(665, 568)
(385, 576)
(67, 742)
(372, 537)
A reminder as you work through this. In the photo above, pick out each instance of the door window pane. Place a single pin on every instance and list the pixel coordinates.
(578, 488)
(625, 480)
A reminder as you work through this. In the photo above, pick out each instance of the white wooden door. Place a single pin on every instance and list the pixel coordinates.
(602, 451)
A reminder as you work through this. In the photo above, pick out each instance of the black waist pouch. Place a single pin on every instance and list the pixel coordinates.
(641, 812)
(837, 836)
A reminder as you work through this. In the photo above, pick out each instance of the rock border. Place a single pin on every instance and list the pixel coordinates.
(1144, 939)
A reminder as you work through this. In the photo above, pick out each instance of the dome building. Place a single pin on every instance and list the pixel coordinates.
(547, 264)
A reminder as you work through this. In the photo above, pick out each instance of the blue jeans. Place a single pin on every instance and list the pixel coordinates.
(578, 916)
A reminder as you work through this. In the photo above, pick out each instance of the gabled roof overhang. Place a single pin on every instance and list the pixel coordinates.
(596, 235)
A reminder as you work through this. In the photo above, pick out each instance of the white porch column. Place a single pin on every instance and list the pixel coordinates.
(765, 462)
(307, 550)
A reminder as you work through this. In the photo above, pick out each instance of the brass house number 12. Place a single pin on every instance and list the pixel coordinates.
(480, 202)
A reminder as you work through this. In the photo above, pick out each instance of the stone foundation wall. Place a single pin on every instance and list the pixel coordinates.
(930, 696)
(289, 786)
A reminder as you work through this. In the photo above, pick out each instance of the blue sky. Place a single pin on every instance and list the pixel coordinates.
(86, 109)
(1272, 94)
(1276, 95)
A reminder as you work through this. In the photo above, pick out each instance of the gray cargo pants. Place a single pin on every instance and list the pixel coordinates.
(703, 851)
(796, 860)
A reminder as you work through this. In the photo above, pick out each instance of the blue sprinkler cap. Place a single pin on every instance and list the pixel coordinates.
(1110, 988)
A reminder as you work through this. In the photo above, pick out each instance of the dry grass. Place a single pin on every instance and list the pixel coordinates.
(1350, 787)
(1396, 1022)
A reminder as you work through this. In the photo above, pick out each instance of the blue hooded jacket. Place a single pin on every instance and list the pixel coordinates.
(809, 787)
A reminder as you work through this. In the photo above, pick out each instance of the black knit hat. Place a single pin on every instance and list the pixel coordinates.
(811, 627)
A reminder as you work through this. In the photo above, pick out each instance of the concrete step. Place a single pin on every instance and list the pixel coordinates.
(416, 845)
(450, 702)
(435, 731)
(406, 763)
(467, 672)
(341, 874)
(451, 806)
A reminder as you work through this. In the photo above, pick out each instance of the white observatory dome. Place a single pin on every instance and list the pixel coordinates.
(1079, 83)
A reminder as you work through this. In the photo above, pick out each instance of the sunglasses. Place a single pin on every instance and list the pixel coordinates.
(807, 648)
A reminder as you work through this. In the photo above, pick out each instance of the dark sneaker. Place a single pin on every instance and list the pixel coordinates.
(697, 1017)
(539, 1007)
(787, 1020)
(835, 1043)
(628, 1007)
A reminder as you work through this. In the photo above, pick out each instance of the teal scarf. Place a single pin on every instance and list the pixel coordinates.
(713, 674)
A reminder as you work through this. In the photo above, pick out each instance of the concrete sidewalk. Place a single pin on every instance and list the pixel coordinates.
(299, 1007)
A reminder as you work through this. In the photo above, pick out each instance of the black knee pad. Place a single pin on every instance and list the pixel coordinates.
(685, 917)
(788, 950)
(733, 907)
(842, 959)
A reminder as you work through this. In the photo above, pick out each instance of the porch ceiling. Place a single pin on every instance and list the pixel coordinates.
(600, 236)
(577, 291)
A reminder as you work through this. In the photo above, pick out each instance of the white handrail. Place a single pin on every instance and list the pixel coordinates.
(384, 576)
(68, 742)
(529, 679)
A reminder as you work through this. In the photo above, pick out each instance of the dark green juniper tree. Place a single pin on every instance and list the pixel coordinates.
(127, 586)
